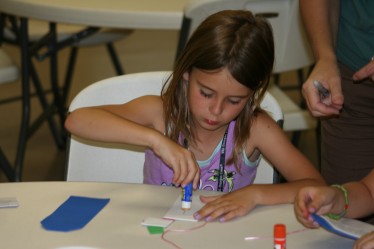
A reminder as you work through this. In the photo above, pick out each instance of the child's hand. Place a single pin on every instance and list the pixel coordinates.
(310, 200)
(365, 242)
(180, 160)
(226, 207)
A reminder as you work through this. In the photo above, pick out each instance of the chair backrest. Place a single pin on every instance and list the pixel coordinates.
(8, 71)
(94, 161)
(292, 50)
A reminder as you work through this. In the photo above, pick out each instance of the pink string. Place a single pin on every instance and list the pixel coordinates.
(163, 236)
(271, 237)
(179, 230)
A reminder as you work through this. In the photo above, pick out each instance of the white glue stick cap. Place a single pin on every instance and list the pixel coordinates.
(186, 205)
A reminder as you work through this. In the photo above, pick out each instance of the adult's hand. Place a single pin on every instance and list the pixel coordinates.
(327, 73)
(365, 72)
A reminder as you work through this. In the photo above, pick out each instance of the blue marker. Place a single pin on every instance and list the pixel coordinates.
(187, 197)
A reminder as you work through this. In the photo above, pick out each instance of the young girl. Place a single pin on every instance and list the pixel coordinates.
(207, 126)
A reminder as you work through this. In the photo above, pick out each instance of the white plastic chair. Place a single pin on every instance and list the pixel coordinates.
(103, 162)
(8, 70)
(292, 52)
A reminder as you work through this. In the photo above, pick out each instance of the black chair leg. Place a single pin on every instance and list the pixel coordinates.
(276, 78)
(115, 59)
(69, 73)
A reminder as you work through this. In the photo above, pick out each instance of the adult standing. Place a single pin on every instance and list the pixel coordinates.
(341, 33)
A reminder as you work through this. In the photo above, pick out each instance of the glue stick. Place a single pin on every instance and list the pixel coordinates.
(187, 197)
(279, 236)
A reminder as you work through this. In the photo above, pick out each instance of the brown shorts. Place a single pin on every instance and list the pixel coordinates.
(347, 149)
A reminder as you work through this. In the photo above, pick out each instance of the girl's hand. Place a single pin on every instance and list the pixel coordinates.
(226, 207)
(365, 242)
(310, 200)
(180, 160)
(328, 74)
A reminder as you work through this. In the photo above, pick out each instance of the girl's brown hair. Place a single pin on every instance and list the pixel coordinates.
(234, 39)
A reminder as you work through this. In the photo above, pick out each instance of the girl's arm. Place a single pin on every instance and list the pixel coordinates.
(138, 122)
(361, 197)
(277, 148)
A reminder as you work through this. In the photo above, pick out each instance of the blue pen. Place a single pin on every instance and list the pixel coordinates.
(323, 92)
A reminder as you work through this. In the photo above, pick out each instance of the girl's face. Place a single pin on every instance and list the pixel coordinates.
(215, 98)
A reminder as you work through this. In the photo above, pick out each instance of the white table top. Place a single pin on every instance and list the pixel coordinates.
(137, 14)
(118, 225)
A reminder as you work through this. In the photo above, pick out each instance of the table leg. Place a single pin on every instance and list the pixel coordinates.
(26, 128)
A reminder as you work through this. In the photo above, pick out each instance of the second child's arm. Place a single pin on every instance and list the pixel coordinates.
(323, 200)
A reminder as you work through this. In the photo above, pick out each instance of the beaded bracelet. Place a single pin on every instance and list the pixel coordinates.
(345, 192)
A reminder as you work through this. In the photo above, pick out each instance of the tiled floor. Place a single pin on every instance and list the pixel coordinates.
(145, 50)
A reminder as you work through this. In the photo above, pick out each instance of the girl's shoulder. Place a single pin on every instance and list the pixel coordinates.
(149, 98)
(146, 102)
(150, 102)
(264, 131)
(263, 124)
(147, 110)
(262, 118)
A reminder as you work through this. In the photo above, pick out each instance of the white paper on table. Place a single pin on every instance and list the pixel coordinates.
(156, 222)
(176, 212)
(8, 202)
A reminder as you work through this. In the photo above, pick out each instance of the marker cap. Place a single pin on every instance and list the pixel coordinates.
(186, 205)
(279, 231)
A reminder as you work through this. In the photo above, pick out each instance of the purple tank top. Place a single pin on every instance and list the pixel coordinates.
(158, 173)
